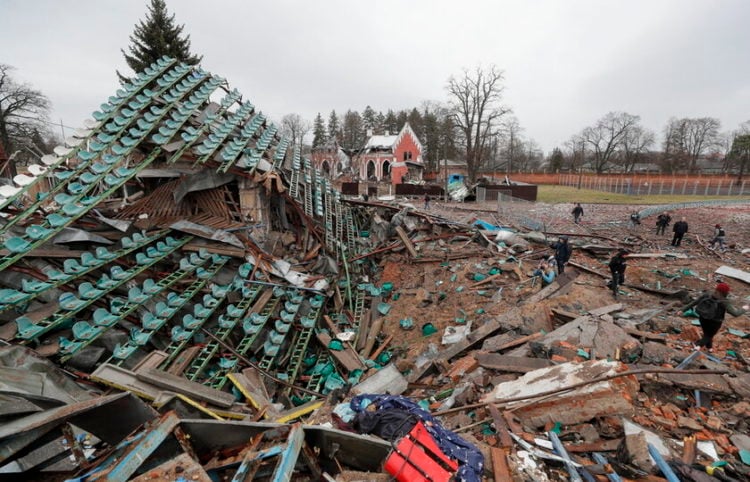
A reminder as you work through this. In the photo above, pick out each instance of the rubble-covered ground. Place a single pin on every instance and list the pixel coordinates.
(643, 327)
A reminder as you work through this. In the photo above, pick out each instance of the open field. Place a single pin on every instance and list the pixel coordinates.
(568, 194)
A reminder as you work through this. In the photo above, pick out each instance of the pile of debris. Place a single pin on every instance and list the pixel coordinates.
(185, 297)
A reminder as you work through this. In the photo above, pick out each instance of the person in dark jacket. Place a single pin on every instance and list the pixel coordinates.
(562, 253)
(577, 213)
(617, 267)
(679, 229)
(718, 238)
(711, 324)
(662, 221)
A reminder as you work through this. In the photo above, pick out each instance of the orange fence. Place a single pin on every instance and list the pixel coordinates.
(643, 184)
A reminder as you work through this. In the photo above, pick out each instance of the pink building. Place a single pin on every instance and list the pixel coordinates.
(330, 159)
(394, 158)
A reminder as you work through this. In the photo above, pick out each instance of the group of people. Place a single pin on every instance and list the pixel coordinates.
(711, 307)
(679, 229)
(550, 267)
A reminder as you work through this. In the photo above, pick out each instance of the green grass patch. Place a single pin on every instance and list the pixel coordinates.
(569, 194)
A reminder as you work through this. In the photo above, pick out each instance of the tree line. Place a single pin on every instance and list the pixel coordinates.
(618, 141)
(472, 124)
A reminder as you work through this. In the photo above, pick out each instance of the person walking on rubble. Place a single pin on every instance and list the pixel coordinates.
(680, 228)
(427, 201)
(577, 213)
(718, 238)
(562, 253)
(662, 221)
(711, 308)
(617, 267)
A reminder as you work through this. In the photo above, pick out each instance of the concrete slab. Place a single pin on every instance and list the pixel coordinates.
(386, 380)
(610, 397)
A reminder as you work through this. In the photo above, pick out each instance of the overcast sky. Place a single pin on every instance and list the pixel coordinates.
(566, 62)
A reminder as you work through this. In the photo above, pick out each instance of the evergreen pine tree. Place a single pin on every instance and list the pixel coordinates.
(369, 118)
(555, 161)
(155, 37)
(319, 132)
(334, 127)
(390, 123)
(379, 124)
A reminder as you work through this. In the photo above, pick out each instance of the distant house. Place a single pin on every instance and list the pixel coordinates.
(445, 168)
(394, 158)
(330, 159)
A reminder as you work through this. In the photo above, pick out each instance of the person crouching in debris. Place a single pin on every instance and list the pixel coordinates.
(635, 219)
(546, 272)
(662, 221)
(617, 267)
(577, 213)
(562, 253)
(718, 238)
(711, 308)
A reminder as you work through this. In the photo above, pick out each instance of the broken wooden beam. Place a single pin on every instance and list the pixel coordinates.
(514, 364)
(407, 242)
(178, 384)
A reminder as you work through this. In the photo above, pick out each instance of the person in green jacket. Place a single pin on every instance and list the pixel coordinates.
(711, 309)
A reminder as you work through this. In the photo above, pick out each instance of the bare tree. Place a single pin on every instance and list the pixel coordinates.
(674, 154)
(514, 147)
(475, 100)
(606, 136)
(739, 153)
(686, 140)
(23, 112)
(635, 144)
(295, 128)
(703, 137)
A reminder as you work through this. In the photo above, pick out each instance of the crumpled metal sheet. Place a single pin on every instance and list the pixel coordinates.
(208, 233)
(75, 235)
(205, 179)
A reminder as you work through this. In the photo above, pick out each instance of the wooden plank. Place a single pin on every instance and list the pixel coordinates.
(514, 364)
(254, 394)
(297, 412)
(151, 360)
(501, 427)
(407, 242)
(183, 360)
(606, 309)
(382, 347)
(348, 358)
(646, 335)
(181, 385)
(600, 446)
(519, 341)
(500, 468)
(46, 253)
(487, 280)
(665, 254)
